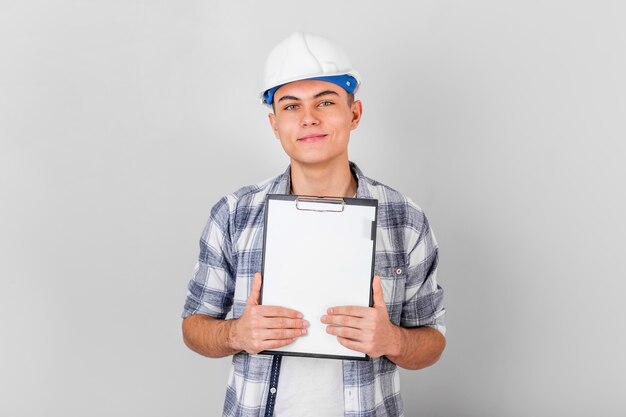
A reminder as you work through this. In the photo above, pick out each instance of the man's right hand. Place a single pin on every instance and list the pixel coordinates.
(263, 327)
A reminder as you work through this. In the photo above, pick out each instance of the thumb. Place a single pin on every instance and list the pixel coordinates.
(255, 291)
(377, 289)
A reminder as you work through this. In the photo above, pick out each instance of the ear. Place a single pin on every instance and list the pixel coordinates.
(357, 111)
(272, 119)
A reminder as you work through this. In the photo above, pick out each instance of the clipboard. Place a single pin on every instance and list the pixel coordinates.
(318, 252)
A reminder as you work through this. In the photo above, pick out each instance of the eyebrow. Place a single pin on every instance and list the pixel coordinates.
(318, 95)
(325, 93)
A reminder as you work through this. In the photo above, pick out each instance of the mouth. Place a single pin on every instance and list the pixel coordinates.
(312, 138)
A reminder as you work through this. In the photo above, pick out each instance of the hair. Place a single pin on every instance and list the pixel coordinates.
(350, 102)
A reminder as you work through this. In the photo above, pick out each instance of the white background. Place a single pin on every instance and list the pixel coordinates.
(123, 122)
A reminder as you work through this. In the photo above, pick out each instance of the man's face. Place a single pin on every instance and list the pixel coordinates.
(313, 119)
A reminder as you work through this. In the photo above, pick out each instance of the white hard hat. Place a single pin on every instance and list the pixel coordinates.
(304, 56)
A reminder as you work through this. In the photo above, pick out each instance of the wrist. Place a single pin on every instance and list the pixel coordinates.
(396, 341)
(231, 335)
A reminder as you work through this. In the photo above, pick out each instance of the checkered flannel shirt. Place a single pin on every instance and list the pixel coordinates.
(406, 259)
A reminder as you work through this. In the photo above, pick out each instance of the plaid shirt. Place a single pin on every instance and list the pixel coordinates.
(231, 248)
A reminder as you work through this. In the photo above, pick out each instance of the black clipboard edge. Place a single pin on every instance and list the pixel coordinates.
(371, 202)
(315, 355)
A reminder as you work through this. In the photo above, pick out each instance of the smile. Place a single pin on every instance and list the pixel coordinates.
(312, 138)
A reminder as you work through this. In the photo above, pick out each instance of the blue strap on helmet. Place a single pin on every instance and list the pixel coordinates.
(347, 82)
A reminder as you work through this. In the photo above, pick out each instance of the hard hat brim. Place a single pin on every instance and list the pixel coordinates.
(324, 77)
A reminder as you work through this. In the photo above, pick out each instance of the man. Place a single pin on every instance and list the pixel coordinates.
(310, 85)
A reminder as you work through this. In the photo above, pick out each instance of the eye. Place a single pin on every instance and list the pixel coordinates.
(290, 107)
(325, 103)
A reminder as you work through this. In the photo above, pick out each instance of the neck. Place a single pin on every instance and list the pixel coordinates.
(326, 181)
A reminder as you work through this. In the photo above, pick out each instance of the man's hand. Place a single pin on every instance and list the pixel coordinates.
(262, 327)
(365, 329)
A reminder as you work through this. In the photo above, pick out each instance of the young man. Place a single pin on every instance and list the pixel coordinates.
(310, 85)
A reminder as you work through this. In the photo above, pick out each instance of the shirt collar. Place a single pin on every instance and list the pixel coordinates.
(361, 189)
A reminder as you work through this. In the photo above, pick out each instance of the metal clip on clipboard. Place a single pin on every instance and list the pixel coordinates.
(333, 204)
(320, 204)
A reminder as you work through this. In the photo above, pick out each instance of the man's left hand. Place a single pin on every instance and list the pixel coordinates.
(365, 329)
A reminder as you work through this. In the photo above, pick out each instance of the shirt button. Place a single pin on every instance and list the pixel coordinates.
(273, 390)
(398, 271)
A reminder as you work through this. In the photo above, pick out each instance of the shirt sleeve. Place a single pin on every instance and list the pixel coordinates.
(211, 290)
(423, 305)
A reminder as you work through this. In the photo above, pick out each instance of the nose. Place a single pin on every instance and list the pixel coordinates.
(309, 118)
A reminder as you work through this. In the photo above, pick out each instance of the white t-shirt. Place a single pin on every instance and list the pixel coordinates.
(309, 387)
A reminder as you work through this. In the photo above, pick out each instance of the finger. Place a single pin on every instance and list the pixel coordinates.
(255, 291)
(284, 323)
(352, 344)
(280, 334)
(346, 321)
(379, 300)
(355, 311)
(275, 344)
(277, 311)
(345, 332)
